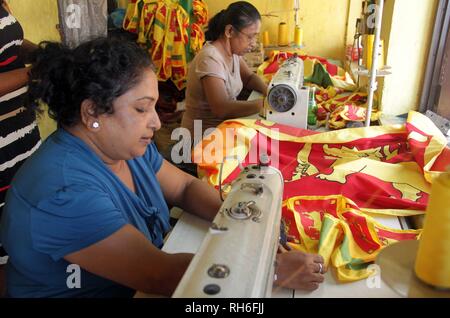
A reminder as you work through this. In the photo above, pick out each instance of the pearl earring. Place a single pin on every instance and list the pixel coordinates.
(95, 124)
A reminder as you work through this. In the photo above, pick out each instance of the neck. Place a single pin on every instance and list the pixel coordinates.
(225, 46)
(88, 138)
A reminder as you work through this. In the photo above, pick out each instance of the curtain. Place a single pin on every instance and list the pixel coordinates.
(82, 20)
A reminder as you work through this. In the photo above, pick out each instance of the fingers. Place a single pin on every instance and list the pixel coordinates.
(318, 258)
(315, 275)
(317, 278)
(316, 268)
(309, 286)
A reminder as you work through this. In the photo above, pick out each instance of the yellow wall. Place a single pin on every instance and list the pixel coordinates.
(38, 19)
(326, 31)
(328, 25)
(407, 29)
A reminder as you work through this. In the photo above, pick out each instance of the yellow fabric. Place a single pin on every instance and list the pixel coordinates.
(433, 257)
(336, 243)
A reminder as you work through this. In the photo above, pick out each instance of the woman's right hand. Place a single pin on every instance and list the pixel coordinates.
(298, 270)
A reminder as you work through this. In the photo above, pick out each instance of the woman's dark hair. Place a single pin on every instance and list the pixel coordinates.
(239, 14)
(99, 70)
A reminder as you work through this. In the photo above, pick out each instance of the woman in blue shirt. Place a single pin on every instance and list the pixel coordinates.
(93, 197)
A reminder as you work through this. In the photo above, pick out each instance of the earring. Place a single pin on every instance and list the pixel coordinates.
(95, 124)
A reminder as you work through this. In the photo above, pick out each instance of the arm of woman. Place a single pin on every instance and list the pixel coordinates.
(26, 50)
(6, 6)
(128, 258)
(189, 193)
(221, 106)
(12, 80)
(251, 81)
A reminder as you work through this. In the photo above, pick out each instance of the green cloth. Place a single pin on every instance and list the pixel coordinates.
(320, 76)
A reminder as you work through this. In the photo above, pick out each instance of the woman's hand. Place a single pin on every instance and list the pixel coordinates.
(298, 270)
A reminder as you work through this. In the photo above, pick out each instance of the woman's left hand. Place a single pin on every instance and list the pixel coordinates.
(298, 270)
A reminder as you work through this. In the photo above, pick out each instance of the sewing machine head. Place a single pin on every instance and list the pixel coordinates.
(287, 101)
(237, 256)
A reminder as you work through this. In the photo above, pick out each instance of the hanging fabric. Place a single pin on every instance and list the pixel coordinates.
(162, 27)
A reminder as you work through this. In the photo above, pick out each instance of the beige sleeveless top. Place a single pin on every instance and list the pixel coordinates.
(208, 62)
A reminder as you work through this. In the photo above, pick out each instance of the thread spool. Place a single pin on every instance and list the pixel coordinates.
(266, 39)
(432, 264)
(298, 36)
(283, 34)
(368, 40)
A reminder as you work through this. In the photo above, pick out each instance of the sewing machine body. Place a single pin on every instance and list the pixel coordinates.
(287, 100)
(236, 258)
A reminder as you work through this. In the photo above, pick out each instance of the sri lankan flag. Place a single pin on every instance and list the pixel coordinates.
(336, 182)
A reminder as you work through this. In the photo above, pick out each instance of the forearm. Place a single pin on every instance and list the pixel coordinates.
(256, 83)
(27, 49)
(10, 81)
(201, 199)
(234, 109)
(167, 275)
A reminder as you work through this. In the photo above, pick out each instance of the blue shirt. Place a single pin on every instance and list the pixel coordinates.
(63, 199)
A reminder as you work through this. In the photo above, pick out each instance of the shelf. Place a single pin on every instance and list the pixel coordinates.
(384, 71)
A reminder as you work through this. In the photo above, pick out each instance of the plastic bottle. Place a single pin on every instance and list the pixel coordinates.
(312, 107)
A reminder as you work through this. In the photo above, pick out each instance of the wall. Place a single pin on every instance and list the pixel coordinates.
(38, 19)
(407, 30)
(328, 25)
(326, 31)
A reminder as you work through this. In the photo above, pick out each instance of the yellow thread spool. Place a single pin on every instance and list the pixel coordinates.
(368, 40)
(266, 39)
(283, 34)
(298, 36)
(433, 257)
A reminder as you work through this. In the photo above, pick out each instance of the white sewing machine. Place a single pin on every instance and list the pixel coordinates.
(237, 255)
(287, 100)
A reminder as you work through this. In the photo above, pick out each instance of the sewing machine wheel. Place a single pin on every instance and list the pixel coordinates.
(282, 98)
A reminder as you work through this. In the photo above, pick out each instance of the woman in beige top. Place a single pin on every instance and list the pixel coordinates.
(218, 73)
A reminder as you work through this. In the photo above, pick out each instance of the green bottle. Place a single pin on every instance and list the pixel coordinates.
(312, 107)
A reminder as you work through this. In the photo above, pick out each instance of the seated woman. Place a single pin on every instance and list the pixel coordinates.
(218, 73)
(92, 200)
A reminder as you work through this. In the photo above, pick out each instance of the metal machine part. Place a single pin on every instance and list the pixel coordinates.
(237, 256)
(287, 101)
(282, 98)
